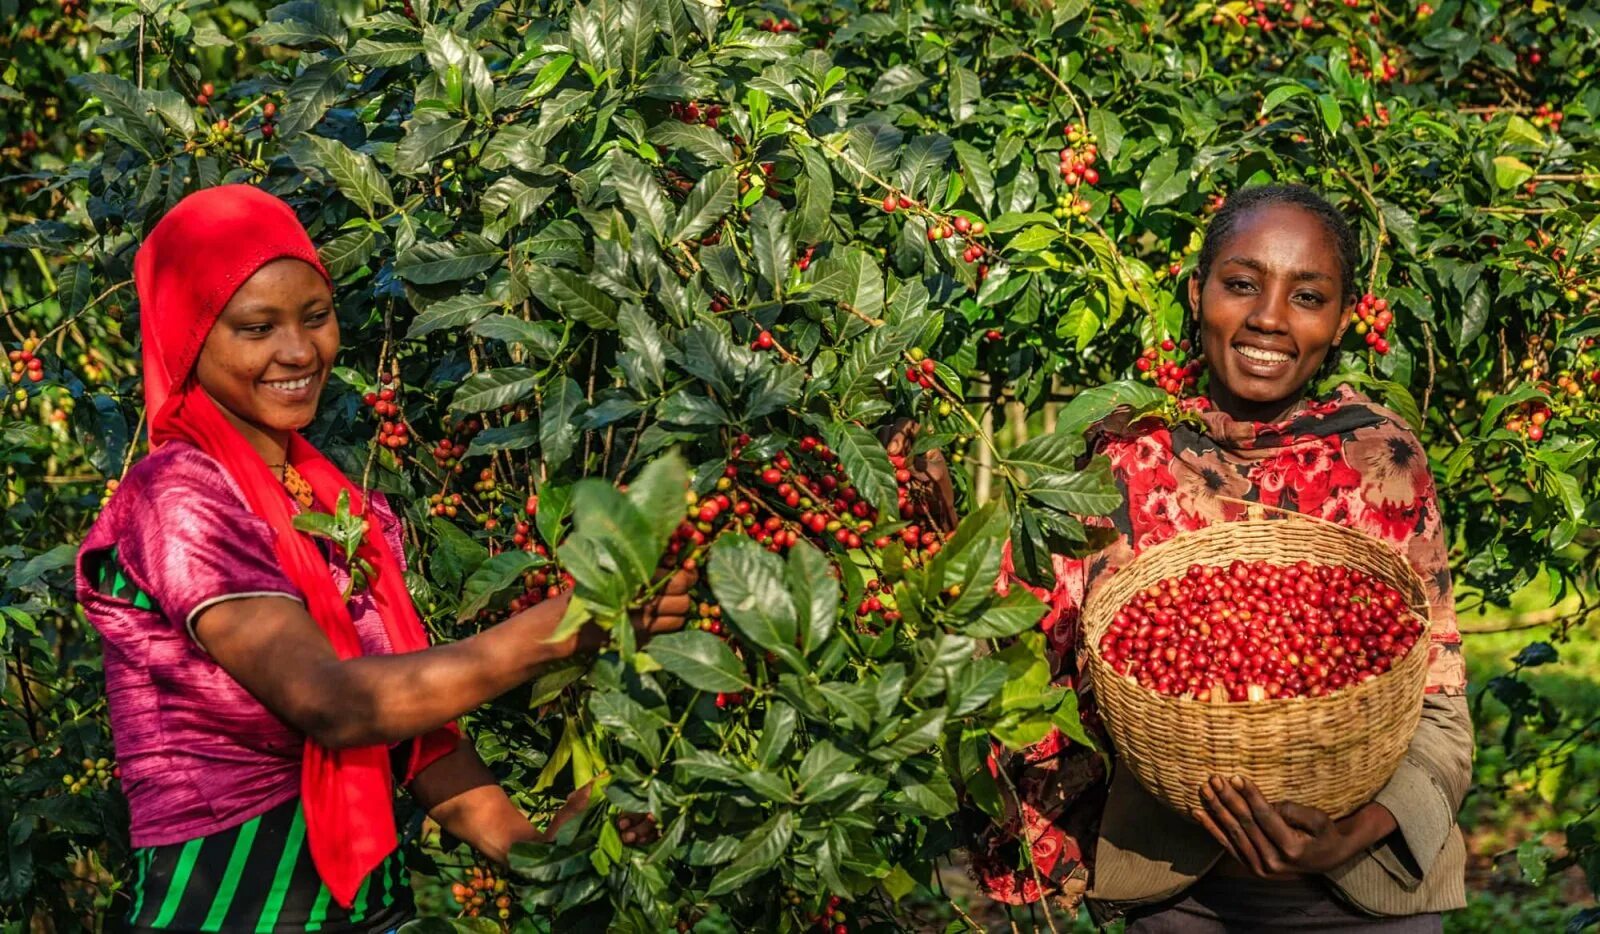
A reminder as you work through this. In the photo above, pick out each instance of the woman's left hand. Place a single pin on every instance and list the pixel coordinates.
(1273, 839)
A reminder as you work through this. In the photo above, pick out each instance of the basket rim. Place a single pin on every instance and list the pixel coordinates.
(1099, 665)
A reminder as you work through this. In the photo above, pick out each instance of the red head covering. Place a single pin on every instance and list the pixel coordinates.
(189, 267)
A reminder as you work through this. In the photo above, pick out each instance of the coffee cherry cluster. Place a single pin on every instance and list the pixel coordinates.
(207, 91)
(763, 341)
(539, 585)
(482, 893)
(1545, 115)
(1373, 319)
(393, 432)
(269, 114)
(779, 25)
(922, 368)
(450, 451)
(878, 605)
(1380, 115)
(1529, 420)
(97, 774)
(948, 228)
(693, 112)
(444, 504)
(1169, 367)
(803, 261)
(805, 495)
(1260, 17)
(1250, 631)
(1384, 70)
(1078, 159)
(830, 920)
(24, 364)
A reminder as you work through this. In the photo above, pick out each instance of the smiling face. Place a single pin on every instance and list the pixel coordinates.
(1271, 309)
(270, 352)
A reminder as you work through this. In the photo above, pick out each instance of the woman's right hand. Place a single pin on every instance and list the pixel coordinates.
(670, 609)
(930, 475)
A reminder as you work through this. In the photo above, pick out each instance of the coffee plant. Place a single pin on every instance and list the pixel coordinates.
(631, 286)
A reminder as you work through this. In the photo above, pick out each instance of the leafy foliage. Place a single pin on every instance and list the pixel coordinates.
(565, 228)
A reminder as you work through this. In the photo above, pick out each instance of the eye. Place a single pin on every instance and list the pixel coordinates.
(320, 317)
(1309, 298)
(257, 330)
(1239, 285)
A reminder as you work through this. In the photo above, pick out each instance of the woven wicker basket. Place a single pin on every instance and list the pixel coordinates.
(1332, 752)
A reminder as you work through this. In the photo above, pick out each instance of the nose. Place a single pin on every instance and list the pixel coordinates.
(1271, 310)
(296, 349)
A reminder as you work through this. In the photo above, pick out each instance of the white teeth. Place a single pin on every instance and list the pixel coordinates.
(292, 384)
(1262, 356)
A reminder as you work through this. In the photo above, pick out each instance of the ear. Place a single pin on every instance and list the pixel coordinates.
(1345, 318)
(1194, 294)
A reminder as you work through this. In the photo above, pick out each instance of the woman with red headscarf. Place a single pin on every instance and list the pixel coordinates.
(261, 719)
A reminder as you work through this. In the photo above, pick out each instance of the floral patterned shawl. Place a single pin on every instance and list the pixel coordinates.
(1341, 458)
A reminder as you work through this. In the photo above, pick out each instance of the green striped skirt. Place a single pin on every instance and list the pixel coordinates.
(258, 877)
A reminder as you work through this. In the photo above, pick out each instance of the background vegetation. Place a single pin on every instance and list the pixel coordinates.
(561, 231)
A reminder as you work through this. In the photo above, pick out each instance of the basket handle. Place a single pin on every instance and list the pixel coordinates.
(1257, 510)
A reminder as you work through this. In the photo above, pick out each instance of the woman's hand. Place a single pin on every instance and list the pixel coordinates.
(1285, 838)
(930, 475)
(633, 829)
(670, 609)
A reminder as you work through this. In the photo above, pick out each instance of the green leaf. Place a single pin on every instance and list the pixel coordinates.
(433, 262)
(915, 734)
(1017, 612)
(636, 186)
(965, 92)
(557, 434)
(756, 855)
(979, 177)
(381, 53)
(894, 84)
(492, 389)
(314, 90)
(658, 492)
(776, 732)
(348, 252)
(700, 660)
(866, 463)
(815, 592)
(456, 62)
(1089, 492)
(816, 197)
(702, 142)
(1282, 93)
(355, 173)
(1092, 405)
(771, 244)
(1164, 180)
(573, 297)
(1509, 172)
(300, 23)
(458, 312)
(494, 577)
(712, 197)
(749, 583)
(510, 201)
(543, 338)
(425, 140)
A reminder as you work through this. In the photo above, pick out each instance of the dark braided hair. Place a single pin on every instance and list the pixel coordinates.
(1241, 203)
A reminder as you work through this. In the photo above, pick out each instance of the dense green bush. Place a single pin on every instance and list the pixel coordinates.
(577, 237)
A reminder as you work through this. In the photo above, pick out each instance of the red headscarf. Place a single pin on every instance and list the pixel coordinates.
(189, 267)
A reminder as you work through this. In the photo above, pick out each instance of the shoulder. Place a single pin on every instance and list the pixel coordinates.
(177, 473)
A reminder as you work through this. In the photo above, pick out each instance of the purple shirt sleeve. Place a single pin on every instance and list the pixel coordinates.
(188, 540)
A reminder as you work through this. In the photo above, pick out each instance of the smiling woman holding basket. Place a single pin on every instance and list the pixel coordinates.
(1273, 293)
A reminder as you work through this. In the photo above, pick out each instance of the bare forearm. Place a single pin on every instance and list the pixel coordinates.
(462, 794)
(389, 698)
